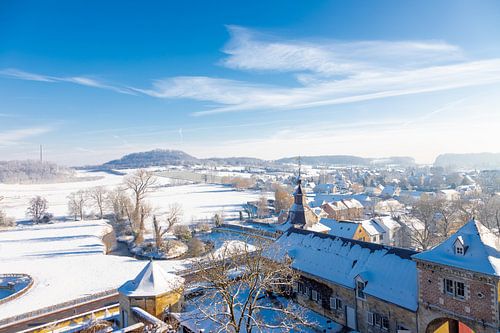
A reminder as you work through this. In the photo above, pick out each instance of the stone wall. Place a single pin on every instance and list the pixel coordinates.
(398, 317)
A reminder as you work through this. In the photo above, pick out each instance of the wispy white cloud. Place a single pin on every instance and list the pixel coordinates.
(12, 137)
(249, 50)
(322, 73)
(328, 73)
(80, 80)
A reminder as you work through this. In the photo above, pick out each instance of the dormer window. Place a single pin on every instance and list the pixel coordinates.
(459, 246)
(360, 287)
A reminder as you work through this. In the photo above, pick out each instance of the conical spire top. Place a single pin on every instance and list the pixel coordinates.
(299, 180)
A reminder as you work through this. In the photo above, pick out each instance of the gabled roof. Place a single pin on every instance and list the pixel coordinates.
(344, 229)
(482, 253)
(372, 227)
(151, 281)
(389, 271)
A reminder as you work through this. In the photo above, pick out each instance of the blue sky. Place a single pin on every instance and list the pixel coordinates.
(92, 80)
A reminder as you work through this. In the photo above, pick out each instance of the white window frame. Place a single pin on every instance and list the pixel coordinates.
(360, 290)
(314, 295)
(336, 303)
(333, 303)
(369, 318)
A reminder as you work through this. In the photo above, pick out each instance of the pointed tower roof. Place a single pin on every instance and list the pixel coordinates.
(481, 250)
(151, 281)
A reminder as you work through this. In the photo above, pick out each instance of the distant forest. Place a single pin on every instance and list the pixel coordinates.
(33, 172)
(469, 161)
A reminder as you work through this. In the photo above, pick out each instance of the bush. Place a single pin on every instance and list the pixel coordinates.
(203, 227)
(196, 247)
(46, 218)
(182, 232)
(6, 221)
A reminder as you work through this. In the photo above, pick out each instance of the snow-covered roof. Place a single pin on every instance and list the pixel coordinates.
(352, 203)
(482, 254)
(151, 281)
(388, 222)
(389, 271)
(372, 227)
(317, 227)
(344, 229)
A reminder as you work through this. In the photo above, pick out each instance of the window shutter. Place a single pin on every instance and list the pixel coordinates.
(369, 317)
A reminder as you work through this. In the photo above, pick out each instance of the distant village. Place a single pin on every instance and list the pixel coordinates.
(340, 249)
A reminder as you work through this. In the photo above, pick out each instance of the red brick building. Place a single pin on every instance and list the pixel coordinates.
(459, 283)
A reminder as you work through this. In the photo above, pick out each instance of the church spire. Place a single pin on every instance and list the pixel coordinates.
(299, 180)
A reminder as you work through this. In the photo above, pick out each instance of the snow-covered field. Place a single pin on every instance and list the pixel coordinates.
(198, 201)
(66, 259)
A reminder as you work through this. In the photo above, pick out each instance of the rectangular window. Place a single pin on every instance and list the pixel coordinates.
(459, 250)
(459, 289)
(448, 287)
(377, 319)
(385, 323)
(335, 303)
(454, 288)
(360, 287)
(339, 304)
(314, 295)
(369, 318)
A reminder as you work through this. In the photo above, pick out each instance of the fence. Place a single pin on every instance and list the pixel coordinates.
(56, 307)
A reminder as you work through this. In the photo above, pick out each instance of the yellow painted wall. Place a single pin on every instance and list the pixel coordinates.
(444, 328)
(361, 234)
(167, 300)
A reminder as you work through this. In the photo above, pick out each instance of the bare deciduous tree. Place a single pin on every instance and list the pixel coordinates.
(140, 183)
(159, 232)
(98, 196)
(422, 223)
(37, 208)
(262, 209)
(76, 204)
(121, 204)
(282, 199)
(174, 215)
(237, 303)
